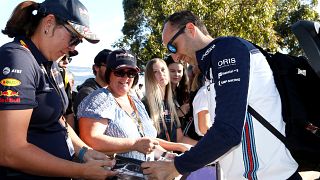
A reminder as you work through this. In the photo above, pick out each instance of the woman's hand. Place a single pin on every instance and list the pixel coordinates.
(145, 145)
(183, 110)
(182, 147)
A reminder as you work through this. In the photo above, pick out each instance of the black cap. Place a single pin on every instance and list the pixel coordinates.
(72, 12)
(122, 58)
(73, 53)
(101, 57)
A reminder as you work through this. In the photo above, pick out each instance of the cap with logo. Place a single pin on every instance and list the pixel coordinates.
(101, 57)
(72, 12)
(122, 58)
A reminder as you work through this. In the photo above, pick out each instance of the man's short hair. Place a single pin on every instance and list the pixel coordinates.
(181, 18)
(100, 59)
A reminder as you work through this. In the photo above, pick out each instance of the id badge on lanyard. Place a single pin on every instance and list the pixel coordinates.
(68, 139)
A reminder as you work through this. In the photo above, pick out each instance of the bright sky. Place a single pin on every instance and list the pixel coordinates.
(106, 19)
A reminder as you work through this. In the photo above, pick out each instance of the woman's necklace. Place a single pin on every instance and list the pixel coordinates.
(134, 115)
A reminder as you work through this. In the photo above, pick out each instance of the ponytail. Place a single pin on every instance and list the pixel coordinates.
(24, 20)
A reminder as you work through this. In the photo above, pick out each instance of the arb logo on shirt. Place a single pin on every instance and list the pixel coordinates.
(10, 82)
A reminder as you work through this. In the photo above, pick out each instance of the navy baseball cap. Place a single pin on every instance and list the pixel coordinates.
(122, 58)
(73, 53)
(72, 12)
(101, 57)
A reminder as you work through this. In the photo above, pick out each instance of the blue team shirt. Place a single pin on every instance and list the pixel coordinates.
(239, 75)
(29, 81)
(229, 59)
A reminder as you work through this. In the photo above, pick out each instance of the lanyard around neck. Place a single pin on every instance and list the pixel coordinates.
(163, 117)
(134, 116)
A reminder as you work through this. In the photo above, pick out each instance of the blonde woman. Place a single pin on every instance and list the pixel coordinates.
(160, 102)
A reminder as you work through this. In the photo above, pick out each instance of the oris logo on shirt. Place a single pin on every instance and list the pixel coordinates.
(227, 62)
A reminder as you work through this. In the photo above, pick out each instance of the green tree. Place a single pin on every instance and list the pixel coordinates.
(264, 22)
(288, 13)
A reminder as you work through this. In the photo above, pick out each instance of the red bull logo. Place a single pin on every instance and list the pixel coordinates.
(9, 93)
(9, 100)
(10, 82)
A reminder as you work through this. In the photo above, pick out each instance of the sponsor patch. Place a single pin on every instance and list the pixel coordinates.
(6, 71)
(17, 71)
(227, 62)
(220, 74)
(207, 52)
(9, 93)
(9, 100)
(10, 82)
(221, 83)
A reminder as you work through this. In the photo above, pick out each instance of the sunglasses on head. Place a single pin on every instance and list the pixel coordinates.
(170, 46)
(123, 73)
(74, 40)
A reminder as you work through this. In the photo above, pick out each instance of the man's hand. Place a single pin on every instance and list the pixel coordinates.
(96, 170)
(161, 170)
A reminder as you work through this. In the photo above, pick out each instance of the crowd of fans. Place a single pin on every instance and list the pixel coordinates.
(187, 116)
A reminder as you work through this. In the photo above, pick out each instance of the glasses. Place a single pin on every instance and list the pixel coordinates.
(74, 40)
(123, 73)
(170, 46)
(66, 59)
(69, 59)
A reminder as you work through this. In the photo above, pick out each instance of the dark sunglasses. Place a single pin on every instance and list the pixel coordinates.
(123, 73)
(170, 46)
(65, 58)
(69, 59)
(74, 40)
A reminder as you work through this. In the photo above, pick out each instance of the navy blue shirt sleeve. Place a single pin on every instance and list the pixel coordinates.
(230, 63)
(17, 77)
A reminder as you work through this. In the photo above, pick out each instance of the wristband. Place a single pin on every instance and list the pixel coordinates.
(82, 151)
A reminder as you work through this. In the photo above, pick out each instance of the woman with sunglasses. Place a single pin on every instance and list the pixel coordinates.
(160, 103)
(112, 120)
(36, 142)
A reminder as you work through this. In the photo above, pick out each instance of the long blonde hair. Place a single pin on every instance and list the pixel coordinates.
(154, 96)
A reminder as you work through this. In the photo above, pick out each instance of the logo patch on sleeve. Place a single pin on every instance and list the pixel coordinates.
(10, 82)
(9, 93)
(9, 100)
(6, 71)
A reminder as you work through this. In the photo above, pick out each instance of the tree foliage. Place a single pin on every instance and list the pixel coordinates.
(264, 22)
